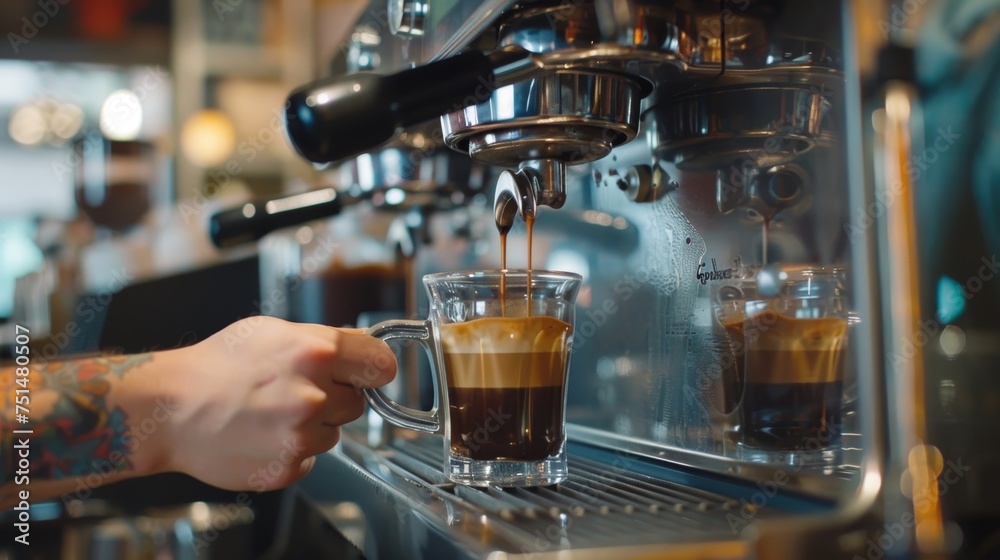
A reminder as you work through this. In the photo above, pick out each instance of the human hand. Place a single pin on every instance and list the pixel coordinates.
(258, 400)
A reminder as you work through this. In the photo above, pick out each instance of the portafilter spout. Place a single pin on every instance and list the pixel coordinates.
(519, 193)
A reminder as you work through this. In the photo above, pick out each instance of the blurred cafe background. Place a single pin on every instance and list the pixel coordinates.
(696, 162)
(127, 123)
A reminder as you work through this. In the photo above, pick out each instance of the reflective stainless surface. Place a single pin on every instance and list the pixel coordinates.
(459, 25)
(607, 505)
(520, 193)
(763, 192)
(732, 134)
(407, 18)
(713, 141)
(425, 176)
(769, 125)
(681, 42)
(571, 117)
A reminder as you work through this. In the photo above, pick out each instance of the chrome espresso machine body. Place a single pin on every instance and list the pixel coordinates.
(680, 156)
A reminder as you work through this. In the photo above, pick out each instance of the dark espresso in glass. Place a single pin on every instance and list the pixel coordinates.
(112, 181)
(506, 379)
(118, 207)
(339, 294)
(794, 371)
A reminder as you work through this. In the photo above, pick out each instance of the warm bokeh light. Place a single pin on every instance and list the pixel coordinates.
(45, 121)
(121, 115)
(208, 138)
(66, 120)
(952, 341)
(28, 125)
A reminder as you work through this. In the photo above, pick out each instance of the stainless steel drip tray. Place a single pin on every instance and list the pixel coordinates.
(396, 503)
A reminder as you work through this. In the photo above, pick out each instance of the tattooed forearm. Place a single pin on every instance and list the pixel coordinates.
(75, 429)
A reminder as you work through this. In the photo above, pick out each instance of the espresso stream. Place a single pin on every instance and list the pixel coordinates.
(503, 275)
(530, 224)
(505, 386)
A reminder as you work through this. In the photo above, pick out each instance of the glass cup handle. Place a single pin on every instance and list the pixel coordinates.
(403, 416)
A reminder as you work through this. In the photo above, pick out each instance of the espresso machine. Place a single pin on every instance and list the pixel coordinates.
(721, 150)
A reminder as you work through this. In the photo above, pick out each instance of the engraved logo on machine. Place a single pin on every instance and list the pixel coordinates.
(714, 275)
(738, 270)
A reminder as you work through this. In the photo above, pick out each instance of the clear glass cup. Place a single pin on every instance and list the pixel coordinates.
(794, 344)
(500, 344)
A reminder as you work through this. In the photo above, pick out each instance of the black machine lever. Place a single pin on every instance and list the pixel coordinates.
(253, 220)
(334, 119)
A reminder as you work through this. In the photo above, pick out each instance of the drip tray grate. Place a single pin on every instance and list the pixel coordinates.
(600, 505)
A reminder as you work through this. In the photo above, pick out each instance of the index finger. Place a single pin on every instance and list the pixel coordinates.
(360, 360)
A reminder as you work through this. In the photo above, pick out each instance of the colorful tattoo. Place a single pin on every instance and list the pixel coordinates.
(79, 434)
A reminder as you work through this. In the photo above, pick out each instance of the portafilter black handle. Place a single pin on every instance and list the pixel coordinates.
(254, 220)
(337, 118)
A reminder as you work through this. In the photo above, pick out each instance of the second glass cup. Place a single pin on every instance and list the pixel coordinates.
(500, 344)
(793, 370)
